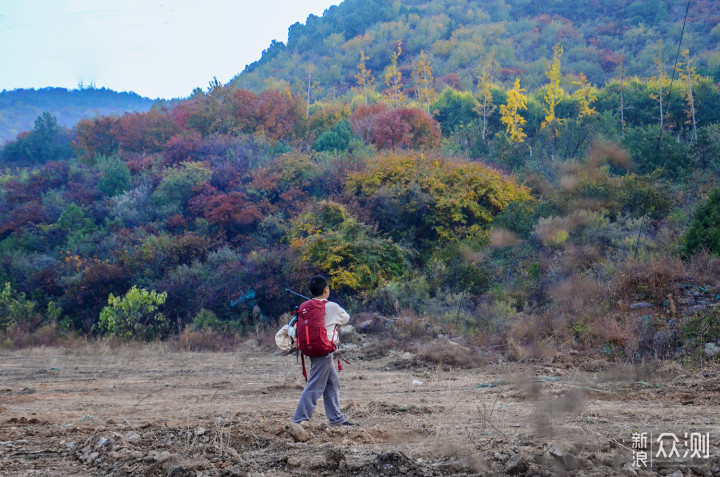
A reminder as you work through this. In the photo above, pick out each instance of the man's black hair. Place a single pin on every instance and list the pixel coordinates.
(317, 285)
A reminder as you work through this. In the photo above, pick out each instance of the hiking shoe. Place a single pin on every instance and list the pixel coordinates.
(345, 424)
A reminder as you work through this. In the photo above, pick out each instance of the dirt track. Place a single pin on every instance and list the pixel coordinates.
(149, 410)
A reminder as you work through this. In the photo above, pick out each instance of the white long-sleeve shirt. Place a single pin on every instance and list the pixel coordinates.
(335, 316)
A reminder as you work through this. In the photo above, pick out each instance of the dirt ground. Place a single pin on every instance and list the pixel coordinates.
(152, 410)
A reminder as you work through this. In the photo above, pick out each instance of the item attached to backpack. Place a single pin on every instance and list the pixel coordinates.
(283, 340)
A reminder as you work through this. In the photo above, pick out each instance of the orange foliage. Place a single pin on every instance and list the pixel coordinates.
(279, 113)
(395, 128)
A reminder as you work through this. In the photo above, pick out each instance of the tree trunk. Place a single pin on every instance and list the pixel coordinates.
(307, 112)
(484, 122)
(692, 111)
(622, 114)
(661, 106)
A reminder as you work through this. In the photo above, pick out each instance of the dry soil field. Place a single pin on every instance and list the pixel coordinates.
(151, 410)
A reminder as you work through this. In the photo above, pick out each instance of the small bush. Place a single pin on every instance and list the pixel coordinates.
(19, 336)
(205, 340)
(448, 353)
(336, 139)
(133, 316)
(14, 308)
(207, 320)
(704, 232)
(697, 330)
(651, 281)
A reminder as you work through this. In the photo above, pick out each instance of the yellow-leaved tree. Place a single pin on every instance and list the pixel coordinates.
(660, 82)
(484, 102)
(509, 112)
(364, 78)
(423, 79)
(586, 94)
(393, 78)
(429, 200)
(689, 76)
(553, 92)
(352, 254)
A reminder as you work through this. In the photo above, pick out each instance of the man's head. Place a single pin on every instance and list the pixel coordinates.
(318, 284)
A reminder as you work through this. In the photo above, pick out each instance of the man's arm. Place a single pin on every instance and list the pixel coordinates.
(335, 314)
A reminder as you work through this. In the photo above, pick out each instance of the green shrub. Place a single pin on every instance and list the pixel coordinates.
(649, 152)
(134, 315)
(453, 109)
(518, 217)
(115, 178)
(702, 328)
(704, 232)
(177, 184)
(640, 196)
(207, 319)
(14, 307)
(336, 139)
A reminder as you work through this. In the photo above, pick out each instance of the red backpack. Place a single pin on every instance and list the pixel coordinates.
(312, 338)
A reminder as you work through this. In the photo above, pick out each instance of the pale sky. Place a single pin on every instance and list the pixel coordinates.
(156, 48)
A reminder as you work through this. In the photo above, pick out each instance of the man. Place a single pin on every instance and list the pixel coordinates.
(323, 380)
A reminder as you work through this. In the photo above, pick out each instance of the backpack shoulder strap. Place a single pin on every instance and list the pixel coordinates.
(302, 357)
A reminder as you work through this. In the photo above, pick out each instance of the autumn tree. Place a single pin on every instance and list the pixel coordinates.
(660, 81)
(586, 94)
(145, 132)
(348, 251)
(553, 92)
(232, 212)
(509, 112)
(484, 105)
(423, 79)
(429, 200)
(364, 77)
(393, 78)
(689, 76)
(279, 113)
(395, 128)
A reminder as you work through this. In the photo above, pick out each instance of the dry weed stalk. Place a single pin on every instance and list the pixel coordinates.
(219, 439)
(487, 414)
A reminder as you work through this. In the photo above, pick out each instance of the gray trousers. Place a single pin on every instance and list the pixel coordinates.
(323, 381)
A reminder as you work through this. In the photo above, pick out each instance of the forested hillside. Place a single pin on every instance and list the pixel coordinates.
(521, 205)
(19, 108)
(507, 38)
